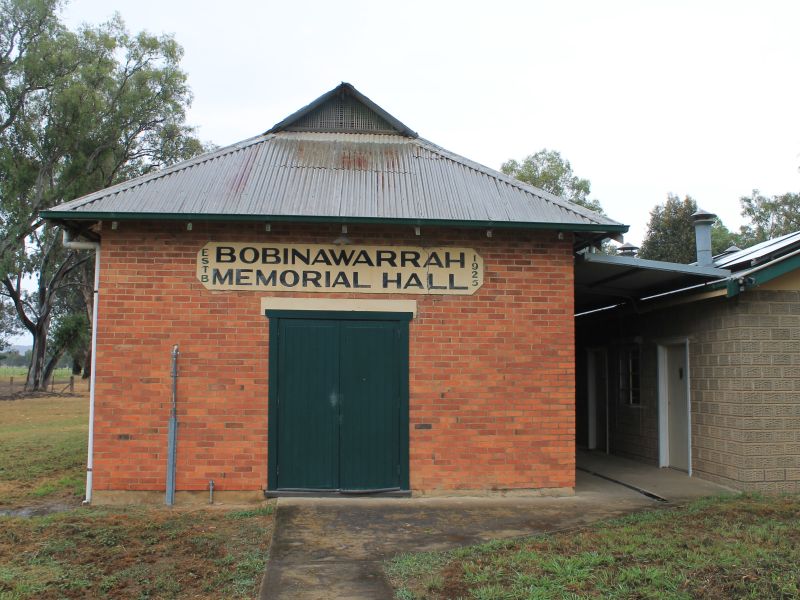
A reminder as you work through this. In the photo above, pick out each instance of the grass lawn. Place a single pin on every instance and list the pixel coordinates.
(732, 547)
(42, 450)
(97, 552)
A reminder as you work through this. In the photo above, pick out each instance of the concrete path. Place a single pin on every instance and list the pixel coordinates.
(334, 548)
(675, 486)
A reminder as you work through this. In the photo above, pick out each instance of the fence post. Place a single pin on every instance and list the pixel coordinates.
(72, 384)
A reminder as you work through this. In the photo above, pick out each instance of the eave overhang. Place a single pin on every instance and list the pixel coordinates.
(602, 281)
(84, 216)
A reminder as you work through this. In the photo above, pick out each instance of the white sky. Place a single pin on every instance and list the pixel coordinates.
(694, 97)
(644, 98)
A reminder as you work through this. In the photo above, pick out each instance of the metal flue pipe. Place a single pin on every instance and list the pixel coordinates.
(702, 227)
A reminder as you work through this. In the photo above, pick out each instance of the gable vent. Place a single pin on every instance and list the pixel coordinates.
(342, 114)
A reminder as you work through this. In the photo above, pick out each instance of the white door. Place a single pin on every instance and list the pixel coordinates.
(677, 407)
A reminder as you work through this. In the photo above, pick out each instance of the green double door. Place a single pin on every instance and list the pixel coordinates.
(339, 404)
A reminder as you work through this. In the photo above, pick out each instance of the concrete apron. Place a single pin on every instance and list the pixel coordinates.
(334, 548)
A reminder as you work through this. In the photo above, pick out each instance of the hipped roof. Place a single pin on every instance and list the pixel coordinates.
(340, 159)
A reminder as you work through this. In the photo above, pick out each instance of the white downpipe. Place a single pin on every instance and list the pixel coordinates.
(69, 243)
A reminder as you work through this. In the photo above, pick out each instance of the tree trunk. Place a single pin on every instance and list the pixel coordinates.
(36, 370)
(87, 363)
(50, 366)
(87, 289)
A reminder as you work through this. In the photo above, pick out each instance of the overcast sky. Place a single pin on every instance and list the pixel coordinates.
(644, 98)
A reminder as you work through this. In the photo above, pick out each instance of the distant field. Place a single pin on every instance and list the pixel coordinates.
(6, 372)
(12, 381)
(96, 552)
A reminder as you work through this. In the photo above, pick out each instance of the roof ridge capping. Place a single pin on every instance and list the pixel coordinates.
(343, 98)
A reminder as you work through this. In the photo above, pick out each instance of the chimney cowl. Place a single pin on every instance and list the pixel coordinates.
(627, 249)
(702, 216)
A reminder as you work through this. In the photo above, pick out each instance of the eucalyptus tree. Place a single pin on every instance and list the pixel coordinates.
(79, 111)
(548, 170)
(769, 216)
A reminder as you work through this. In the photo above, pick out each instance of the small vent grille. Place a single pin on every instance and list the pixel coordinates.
(342, 115)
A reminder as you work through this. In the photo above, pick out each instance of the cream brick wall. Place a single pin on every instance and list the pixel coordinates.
(745, 386)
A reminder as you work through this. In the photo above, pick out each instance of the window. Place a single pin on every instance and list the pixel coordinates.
(629, 375)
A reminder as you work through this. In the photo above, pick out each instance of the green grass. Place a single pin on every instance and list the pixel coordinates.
(261, 511)
(15, 372)
(42, 450)
(731, 547)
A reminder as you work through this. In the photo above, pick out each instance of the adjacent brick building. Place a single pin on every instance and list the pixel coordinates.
(736, 341)
(354, 309)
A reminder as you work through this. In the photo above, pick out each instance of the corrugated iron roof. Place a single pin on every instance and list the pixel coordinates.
(300, 174)
(336, 176)
(761, 253)
(601, 280)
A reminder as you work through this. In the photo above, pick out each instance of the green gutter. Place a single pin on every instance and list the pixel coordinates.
(776, 270)
(762, 276)
(732, 285)
(736, 285)
(199, 217)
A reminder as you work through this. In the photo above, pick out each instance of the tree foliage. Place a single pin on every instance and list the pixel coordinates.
(9, 325)
(548, 170)
(70, 335)
(79, 111)
(15, 359)
(769, 217)
(671, 234)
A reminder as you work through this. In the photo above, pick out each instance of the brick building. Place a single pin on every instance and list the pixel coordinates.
(354, 308)
(698, 376)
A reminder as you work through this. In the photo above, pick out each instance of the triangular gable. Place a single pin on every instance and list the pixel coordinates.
(343, 110)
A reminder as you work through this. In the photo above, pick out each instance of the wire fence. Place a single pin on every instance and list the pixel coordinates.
(59, 384)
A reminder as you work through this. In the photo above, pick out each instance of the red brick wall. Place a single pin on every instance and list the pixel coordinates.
(492, 373)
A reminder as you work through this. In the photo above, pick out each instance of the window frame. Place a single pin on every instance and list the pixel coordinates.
(629, 374)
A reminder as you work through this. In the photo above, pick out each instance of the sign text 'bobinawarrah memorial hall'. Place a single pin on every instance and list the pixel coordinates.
(321, 268)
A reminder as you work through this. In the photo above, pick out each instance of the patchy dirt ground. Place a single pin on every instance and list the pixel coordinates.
(135, 552)
(51, 547)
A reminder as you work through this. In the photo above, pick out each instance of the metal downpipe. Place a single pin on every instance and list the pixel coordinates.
(172, 435)
(70, 243)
